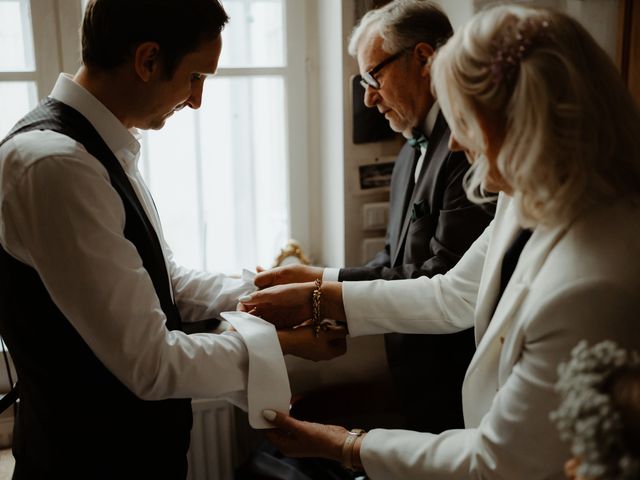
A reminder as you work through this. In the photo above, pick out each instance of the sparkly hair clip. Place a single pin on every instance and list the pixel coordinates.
(514, 45)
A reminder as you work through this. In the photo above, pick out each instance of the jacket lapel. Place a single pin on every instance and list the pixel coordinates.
(437, 149)
(407, 221)
(401, 193)
(482, 377)
(492, 329)
(505, 229)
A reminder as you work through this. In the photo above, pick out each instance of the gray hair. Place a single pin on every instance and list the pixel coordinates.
(402, 24)
(571, 128)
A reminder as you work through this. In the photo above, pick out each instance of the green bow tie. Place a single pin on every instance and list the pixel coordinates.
(419, 139)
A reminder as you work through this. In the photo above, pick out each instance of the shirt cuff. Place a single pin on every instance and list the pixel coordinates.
(330, 274)
(267, 381)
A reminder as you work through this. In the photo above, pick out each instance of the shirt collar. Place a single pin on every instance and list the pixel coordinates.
(122, 142)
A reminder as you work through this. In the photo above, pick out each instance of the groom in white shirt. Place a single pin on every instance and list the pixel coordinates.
(91, 300)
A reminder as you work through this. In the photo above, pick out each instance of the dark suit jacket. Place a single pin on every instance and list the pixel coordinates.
(428, 232)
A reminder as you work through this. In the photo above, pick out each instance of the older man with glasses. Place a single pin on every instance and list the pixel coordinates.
(431, 221)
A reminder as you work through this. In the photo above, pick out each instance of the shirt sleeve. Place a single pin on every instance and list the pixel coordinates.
(442, 304)
(330, 274)
(67, 222)
(202, 295)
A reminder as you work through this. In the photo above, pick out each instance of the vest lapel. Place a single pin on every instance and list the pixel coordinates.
(138, 228)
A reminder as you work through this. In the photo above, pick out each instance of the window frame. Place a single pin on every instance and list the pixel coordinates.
(50, 19)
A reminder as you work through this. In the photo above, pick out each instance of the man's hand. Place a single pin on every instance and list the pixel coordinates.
(283, 305)
(301, 342)
(296, 273)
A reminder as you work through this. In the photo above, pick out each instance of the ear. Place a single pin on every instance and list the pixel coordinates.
(146, 60)
(423, 52)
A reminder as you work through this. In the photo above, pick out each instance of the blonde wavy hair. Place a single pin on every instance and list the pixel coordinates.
(571, 129)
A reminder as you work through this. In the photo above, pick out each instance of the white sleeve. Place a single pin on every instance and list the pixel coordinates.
(441, 304)
(516, 435)
(64, 219)
(268, 382)
(200, 295)
(330, 274)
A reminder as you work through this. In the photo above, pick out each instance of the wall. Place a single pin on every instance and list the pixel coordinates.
(599, 17)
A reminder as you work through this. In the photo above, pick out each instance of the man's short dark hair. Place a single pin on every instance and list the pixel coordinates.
(112, 29)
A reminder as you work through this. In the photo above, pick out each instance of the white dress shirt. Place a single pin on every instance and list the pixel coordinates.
(60, 215)
(332, 274)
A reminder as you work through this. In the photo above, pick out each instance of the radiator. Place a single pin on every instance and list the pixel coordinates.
(213, 441)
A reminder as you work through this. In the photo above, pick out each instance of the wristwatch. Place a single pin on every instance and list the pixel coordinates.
(347, 447)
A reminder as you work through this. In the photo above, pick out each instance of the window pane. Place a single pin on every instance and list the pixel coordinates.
(244, 172)
(17, 99)
(16, 41)
(170, 171)
(254, 36)
(229, 210)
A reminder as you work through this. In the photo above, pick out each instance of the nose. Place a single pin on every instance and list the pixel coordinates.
(371, 97)
(195, 100)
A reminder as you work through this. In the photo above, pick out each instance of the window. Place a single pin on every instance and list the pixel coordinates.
(219, 174)
(17, 63)
(222, 177)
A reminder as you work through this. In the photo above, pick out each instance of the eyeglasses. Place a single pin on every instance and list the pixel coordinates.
(368, 79)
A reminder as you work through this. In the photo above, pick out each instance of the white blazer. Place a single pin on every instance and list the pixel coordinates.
(580, 281)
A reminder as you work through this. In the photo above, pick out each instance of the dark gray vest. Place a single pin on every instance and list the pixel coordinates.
(75, 419)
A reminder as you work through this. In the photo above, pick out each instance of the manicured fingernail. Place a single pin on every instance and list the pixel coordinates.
(245, 298)
(269, 415)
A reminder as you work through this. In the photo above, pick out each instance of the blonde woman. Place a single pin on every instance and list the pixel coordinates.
(547, 123)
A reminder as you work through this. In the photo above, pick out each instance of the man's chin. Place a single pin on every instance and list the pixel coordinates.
(406, 132)
(157, 124)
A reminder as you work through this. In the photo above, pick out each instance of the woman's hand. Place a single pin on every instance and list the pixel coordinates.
(295, 438)
(296, 273)
(283, 305)
(289, 305)
(241, 308)
(302, 342)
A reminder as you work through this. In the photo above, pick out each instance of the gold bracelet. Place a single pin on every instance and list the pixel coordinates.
(347, 447)
(315, 303)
